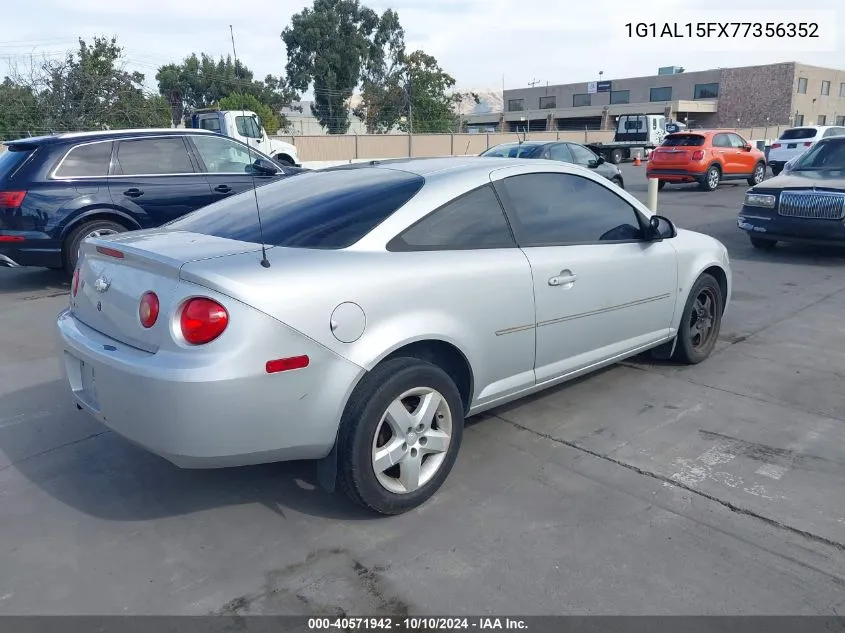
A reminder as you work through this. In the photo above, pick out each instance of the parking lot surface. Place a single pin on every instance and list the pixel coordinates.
(647, 488)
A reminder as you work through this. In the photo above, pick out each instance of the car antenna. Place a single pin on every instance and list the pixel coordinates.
(264, 261)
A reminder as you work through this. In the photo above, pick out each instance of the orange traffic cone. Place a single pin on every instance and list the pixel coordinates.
(637, 161)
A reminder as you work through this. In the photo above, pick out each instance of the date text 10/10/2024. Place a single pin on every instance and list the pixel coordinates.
(690, 30)
(417, 623)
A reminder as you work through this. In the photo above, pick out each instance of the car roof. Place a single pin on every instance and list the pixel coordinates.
(703, 132)
(64, 137)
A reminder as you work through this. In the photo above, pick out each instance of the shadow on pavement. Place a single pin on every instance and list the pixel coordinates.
(25, 280)
(82, 464)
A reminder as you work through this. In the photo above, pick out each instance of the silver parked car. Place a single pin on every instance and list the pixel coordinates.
(395, 300)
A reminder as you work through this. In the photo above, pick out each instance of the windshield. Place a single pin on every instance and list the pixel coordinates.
(515, 150)
(824, 156)
(683, 140)
(798, 133)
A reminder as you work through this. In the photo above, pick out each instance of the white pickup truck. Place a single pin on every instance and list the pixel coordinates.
(246, 127)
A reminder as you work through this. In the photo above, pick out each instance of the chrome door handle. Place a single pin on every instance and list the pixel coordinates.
(565, 277)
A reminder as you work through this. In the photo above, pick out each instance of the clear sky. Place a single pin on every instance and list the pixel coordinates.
(478, 41)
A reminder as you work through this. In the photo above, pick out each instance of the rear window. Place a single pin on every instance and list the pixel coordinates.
(11, 158)
(320, 209)
(797, 133)
(683, 140)
(514, 151)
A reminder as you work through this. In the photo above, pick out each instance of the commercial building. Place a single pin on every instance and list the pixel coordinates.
(774, 94)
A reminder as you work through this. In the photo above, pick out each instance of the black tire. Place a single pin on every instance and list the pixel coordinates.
(616, 156)
(759, 174)
(776, 170)
(362, 420)
(692, 348)
(763, 245)
(661, 184)
(74, 240)
(711, 179)
(284, 160)
(616, 180)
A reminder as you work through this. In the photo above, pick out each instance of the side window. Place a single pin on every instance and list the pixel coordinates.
(86, 161)
(475, 220)
(560, 151)
(247, 127)
(153, 156)
(210, 123)
(721, 140)
(736, 141)
(581, 154)
(222, 155)
(555, 209)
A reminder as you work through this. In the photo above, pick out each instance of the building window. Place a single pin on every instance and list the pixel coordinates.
(822, 120)
(622, 96)
(825, 87)
(799, 120)
(661, 94)
(580, 100)
(842, 90)
(706, 91)
(548, 103)
(516, 105)
(802, 85)
(840, 120)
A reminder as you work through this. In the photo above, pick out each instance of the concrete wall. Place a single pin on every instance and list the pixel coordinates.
(748, 95)
(683, 87)
(813, 103)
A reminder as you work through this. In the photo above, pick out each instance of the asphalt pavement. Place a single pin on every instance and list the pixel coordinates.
(646, 488)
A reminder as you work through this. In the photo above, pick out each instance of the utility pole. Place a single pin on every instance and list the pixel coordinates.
(533, 82)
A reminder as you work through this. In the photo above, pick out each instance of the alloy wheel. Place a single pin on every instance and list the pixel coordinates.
(702, 318)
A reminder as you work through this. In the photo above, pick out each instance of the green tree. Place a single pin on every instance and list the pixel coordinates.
(382, 97)
(200, 81)
(240, 101)
(20, 113)
(426, 88)
(327, 46)
(90, 89)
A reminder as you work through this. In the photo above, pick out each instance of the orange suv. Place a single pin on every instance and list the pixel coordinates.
(707, 157)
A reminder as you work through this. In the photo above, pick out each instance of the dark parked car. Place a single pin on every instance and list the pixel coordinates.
(55, 191)
(807, 204)
(565, 151)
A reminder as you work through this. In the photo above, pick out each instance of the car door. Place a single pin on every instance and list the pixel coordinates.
(723, 150)
(560, 152)
(601, 290)
(248, 131)
(155, 178)
(228, 165)
(463, 255)
(744, 160)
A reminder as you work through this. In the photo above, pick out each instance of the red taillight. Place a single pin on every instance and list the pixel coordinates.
(807, 144)
(775, 145)
(203, 320)
(109, 252)
(286, 364)
(75, 287)
(148, 310)
(11, 199)
(12, 238)
(698, 154)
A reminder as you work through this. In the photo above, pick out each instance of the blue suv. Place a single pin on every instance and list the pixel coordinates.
(56, 191)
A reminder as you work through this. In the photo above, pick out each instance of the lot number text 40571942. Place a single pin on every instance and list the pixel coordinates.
(691, 30)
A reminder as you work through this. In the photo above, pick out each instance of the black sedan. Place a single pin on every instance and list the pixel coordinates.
(806, 204)
(565, 151)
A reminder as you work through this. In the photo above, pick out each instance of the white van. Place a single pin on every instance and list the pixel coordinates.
(795, 141)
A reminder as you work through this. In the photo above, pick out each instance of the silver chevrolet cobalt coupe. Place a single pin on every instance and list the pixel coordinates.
(373, 309)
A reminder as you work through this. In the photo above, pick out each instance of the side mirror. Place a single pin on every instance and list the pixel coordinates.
(747, 147)
(660, 228)
(265, 167)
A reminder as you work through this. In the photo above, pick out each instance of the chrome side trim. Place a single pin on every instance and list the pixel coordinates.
(621, 306)
(517, 328)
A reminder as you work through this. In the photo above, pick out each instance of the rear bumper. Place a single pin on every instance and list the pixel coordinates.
(675, 175)
(786, 229)
(43, 252)
(216, 412)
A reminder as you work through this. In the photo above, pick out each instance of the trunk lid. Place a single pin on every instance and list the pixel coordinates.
(677, 150)
(115, 272)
